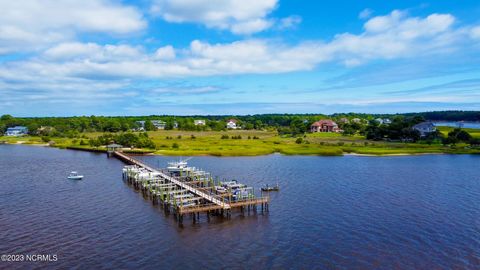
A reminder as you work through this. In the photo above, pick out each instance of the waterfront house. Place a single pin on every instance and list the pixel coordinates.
(159, 124)
(16, 131)
(324, 126)
(425, 128)
(175, 124)
(199, 122)
(232, 124)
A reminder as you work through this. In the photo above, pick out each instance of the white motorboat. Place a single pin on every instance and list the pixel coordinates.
(178, 166)
(75, 176)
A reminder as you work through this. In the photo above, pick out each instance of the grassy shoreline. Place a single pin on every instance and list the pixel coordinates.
(189, 143)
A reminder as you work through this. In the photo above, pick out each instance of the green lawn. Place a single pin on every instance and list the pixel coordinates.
(474, 132)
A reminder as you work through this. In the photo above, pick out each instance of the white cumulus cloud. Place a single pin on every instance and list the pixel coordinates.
(75, 66)
(33, 24)
(238, 16)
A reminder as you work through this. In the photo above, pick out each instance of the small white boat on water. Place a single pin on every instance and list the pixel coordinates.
(75, 176)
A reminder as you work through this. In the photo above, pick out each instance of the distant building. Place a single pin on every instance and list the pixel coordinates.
(425, 128)
(45, 130)
(175, 124)
(324, 126)
(16, 131)
(199, 122)
(159, 124)
(344, 120)
(356, 120)
(232, 124)
(384, 121)
(141, 126)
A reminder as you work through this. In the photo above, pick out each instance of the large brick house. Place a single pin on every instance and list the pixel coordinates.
(325, 126)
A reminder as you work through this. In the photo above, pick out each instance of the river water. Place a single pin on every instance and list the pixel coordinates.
(474, 125)
(351, 212)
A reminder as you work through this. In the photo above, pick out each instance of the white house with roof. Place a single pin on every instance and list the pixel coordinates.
(199, 122)
(16, 131)
(232, 123)
(159, 124)
(425, 128)
(141, 126)
(384, 121)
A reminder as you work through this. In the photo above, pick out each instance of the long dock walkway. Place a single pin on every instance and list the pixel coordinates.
(173, 180)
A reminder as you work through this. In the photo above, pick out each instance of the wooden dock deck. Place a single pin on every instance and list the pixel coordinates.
(182, 196)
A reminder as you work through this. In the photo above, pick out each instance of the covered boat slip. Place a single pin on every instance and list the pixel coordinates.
(189, 191)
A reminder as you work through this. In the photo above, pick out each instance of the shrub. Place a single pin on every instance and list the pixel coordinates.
(192, 137)
(175, 146)
(179, 136)
(475, 142)
(225, 137)
(299, 140)
(340, 143)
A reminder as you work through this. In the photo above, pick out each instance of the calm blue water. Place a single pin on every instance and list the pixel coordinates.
(418, 212)
(475, 125)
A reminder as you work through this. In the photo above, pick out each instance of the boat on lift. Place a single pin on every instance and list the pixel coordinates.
(75, 176)
(178, 166)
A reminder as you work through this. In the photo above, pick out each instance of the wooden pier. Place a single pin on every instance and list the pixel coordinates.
(191, 194)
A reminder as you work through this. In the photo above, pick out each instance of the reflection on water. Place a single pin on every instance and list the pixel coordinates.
(332, 212)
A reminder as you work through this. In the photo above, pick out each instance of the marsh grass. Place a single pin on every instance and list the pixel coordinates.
(268, 142)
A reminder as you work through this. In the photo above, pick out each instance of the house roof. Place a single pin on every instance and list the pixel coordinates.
(17, 128)
(232, 120)
(157, 121)
(323, 123)
(114, 145)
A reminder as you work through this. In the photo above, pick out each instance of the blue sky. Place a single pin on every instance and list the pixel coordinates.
(108, 57)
